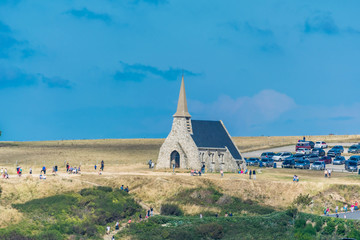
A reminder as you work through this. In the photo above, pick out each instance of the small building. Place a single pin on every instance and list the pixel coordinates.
(197, 144)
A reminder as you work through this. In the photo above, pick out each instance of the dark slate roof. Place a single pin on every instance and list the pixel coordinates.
(212, 134)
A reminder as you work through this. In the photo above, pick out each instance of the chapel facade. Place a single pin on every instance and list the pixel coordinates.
(196, 144)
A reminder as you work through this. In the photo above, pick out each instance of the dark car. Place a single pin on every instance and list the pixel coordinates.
(334, 152)
(339, 160)
(303, 164)
(339, 148)
(267, 155)
(319, 151)
(312, 157)
(355, 158)
(252, 161)
(288, 163)
(267, 162)
(351, 166)
(325, 159)
(299, 156)
(354, 149)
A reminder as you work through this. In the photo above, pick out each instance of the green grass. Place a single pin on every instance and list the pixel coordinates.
(84, 214)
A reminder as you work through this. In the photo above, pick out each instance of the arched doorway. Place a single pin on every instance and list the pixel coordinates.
(175, 158)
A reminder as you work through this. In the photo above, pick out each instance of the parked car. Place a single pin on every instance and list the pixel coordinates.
(339, 148)
(354, 149)
(318, 165)
(280, 156)
(303, 164)
(355, 158)
(311, 143)
(267, 162)
(325, 159)
(321, 144)
(351, 166)
(334, 152)
(252, 162)
(339, 160)
(303, 150)
(302, 145)
(312, 157)
(299, 156)
(288, 163)
(267, 155)
(319, 151)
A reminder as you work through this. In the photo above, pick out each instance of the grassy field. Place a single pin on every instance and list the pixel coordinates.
(125, 164)
(122, 151)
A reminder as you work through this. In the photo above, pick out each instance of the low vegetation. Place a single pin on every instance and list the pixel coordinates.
(83, 214)
(277, 225)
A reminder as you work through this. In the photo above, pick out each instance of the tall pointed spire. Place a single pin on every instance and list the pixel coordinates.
(182, 110)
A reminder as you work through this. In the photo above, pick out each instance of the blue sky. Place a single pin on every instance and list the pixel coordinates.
(112, 69)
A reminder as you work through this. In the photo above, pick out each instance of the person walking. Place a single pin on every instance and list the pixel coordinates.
(254, 174)
(250, 172)
(102, 165)
(329, 173)
(222, 173)
(325, 173)
(108, 230)
(336, 209)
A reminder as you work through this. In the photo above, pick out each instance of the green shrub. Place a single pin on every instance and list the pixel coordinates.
(171, 209)
(211, 230)
(340, 229)
(292, 211)
(300, 223)
(354, 234)
(303, 200)
(50, 235)
(330, 228)
(309, 230)
(318, 224)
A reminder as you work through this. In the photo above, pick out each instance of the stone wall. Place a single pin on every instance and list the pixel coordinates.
(180, 140)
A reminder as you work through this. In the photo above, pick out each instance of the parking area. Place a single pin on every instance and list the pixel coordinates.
(291, 148)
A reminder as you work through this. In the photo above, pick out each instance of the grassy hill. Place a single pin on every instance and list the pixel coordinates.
(252, 202)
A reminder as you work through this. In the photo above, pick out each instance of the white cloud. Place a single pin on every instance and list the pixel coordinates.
(245, 112)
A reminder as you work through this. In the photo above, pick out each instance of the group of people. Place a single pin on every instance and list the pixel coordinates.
(353, 207)
(102, 165)
(126, 189)
(4, 173)
(295, 178)
(242, 171)
(151, 164)
(72, 170)
(327, 173)
(195, 172)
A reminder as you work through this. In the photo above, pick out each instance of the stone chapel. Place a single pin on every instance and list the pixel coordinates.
(196, 144)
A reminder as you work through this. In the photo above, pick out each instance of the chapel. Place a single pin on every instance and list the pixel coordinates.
(198, 144)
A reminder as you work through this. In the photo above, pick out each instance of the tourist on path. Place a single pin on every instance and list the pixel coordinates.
(250, 172)
(102, 165)
(254, 174)
(222, 173)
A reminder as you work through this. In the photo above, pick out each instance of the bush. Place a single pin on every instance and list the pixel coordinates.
(292, 211)
(330, 228)
(340, 229)
(303, 200)
(211, 230)
(300, 223)
(318, 225)
(171, 209)
(50, 235)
